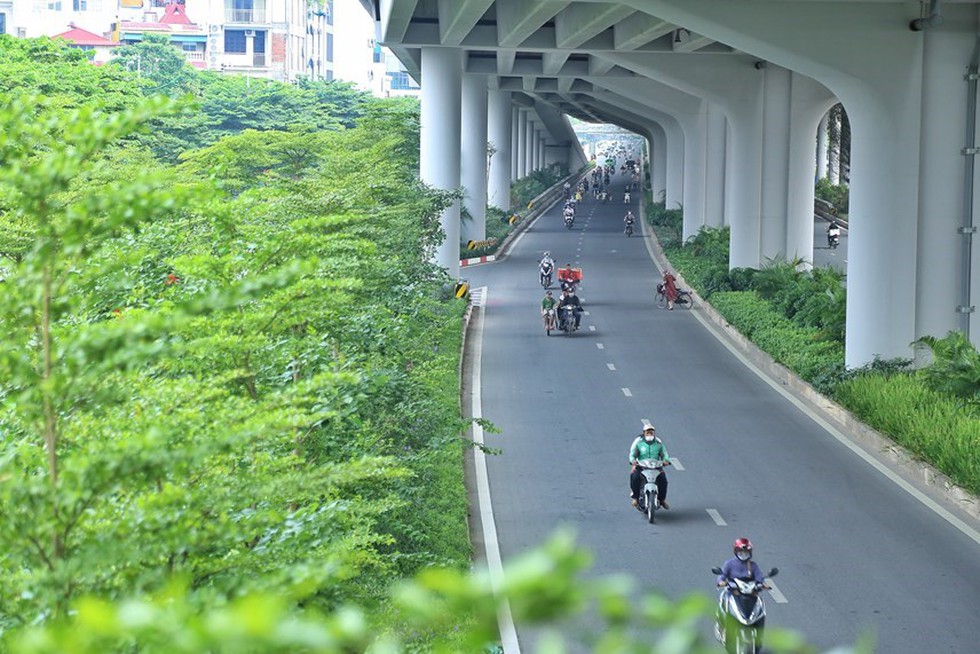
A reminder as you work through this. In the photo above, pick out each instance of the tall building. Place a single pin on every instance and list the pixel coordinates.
(358, 56)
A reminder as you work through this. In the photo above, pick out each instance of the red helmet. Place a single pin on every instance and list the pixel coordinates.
(743, 544)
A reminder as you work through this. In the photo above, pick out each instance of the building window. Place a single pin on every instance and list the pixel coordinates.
(329, 46)
(399, 81)
(54, 5)
(3, 23)
(329, 12)
(235, 41)
(79, 5)
(189, 47)
(259, 45)
(376, 57)
(329, 75)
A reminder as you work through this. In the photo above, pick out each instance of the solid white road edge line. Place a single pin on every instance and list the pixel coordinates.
(843, 439)
(716, 517)
(508, 632)
(944, 513)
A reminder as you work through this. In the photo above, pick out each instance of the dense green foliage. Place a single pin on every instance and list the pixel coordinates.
(837, 195)
(525, 189)
(239, 375)
(798, 317)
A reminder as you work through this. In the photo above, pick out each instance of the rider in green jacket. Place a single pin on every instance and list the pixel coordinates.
(647, 447)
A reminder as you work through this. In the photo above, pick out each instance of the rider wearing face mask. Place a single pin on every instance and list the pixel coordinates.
(648, 447)
(741, 566)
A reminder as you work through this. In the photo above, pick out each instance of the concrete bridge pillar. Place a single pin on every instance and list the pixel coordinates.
(521, 143)
(500, 128)
(658, 162)
(823, 140)
(473, 157)
(775, 162)
(529, 146)
(940, 274)
(714, 166)
(439, 141)
(809, 102)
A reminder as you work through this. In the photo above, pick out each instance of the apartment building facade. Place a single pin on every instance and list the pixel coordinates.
(278, 39)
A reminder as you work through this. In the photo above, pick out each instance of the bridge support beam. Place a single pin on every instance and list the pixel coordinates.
(521, 143)
(439, 141)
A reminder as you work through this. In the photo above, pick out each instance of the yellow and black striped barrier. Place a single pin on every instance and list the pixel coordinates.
(462, 289)
(513, 219)
(476, 245)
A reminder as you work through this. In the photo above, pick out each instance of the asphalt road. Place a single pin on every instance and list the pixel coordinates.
(857, 554)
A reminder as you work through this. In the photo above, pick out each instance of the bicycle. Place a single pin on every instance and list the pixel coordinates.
(684, 297)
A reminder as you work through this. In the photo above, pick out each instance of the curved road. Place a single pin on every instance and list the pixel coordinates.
(857, 553)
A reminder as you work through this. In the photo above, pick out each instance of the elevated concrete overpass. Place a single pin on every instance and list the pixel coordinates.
(729, 96)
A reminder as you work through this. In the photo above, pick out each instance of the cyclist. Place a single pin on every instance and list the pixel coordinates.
(548, 304)
(670, 289)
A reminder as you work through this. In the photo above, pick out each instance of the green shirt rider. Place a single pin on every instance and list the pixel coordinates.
(647, 447)
(548, 304)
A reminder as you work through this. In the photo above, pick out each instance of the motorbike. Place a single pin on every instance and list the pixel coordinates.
(629, 229)
(569, 220)
(741, 615)
(566, 319)
(649, 502)
(833, 240)
(544, 274)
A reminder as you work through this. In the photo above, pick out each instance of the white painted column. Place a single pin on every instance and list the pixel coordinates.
(822, 141)
(939, 279)
(695, 132)
(500, 133)
(529, 146)
(543, 149)
(714, 167)
(776, 126)
(535, 148)
(745, 120)
(473, 156)
(515, 119)
(675, 165)
(809, 102)
(658, 163)
(521, 143)
(439, 141)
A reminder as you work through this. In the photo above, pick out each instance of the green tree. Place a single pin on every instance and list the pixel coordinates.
(158, 64)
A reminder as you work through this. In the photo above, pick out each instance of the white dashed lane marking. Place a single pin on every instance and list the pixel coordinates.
(676, 465)
(777, 596)
(610, 366)
(600, 346)
(591, 328)
(717, 518)
(627, 392)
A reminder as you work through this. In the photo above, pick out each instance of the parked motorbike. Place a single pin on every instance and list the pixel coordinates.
(544, 273)
(649, 502)
(741, 615)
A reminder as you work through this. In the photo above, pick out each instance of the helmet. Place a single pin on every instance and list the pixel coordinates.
(548, 293)
(649, 427)
(547, 254)
(743, 544)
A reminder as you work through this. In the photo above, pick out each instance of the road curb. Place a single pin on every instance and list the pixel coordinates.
(936, 484)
